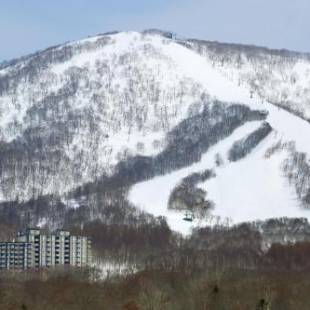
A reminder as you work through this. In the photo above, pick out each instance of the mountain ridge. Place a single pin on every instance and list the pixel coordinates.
(289, 52)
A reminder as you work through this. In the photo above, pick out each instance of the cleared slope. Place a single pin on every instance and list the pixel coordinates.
(153, 195)
(256, 187)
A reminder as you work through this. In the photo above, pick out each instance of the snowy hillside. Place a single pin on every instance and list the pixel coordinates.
(280, 77)
(142, 117)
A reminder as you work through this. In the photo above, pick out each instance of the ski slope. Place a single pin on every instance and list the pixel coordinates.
(248, 190)
(153, 195)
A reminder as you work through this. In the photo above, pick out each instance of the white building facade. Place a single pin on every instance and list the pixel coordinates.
(36, 248)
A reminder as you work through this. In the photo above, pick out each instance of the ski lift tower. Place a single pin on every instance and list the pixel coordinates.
(188, 217)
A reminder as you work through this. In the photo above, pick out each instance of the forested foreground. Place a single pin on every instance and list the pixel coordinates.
(279, 280)
(234, 289)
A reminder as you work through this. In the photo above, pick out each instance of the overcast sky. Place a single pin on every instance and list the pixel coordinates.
(30, 25)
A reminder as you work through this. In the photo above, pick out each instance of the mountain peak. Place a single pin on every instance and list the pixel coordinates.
(120, 112)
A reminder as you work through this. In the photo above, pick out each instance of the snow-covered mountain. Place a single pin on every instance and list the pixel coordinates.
(168, 125)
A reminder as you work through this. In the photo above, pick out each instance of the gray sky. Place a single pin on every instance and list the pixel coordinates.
(30, 25)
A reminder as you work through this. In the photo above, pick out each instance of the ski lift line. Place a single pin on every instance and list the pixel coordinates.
(212, 219)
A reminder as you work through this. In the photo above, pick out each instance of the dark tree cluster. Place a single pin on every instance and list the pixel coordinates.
(244, 146)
